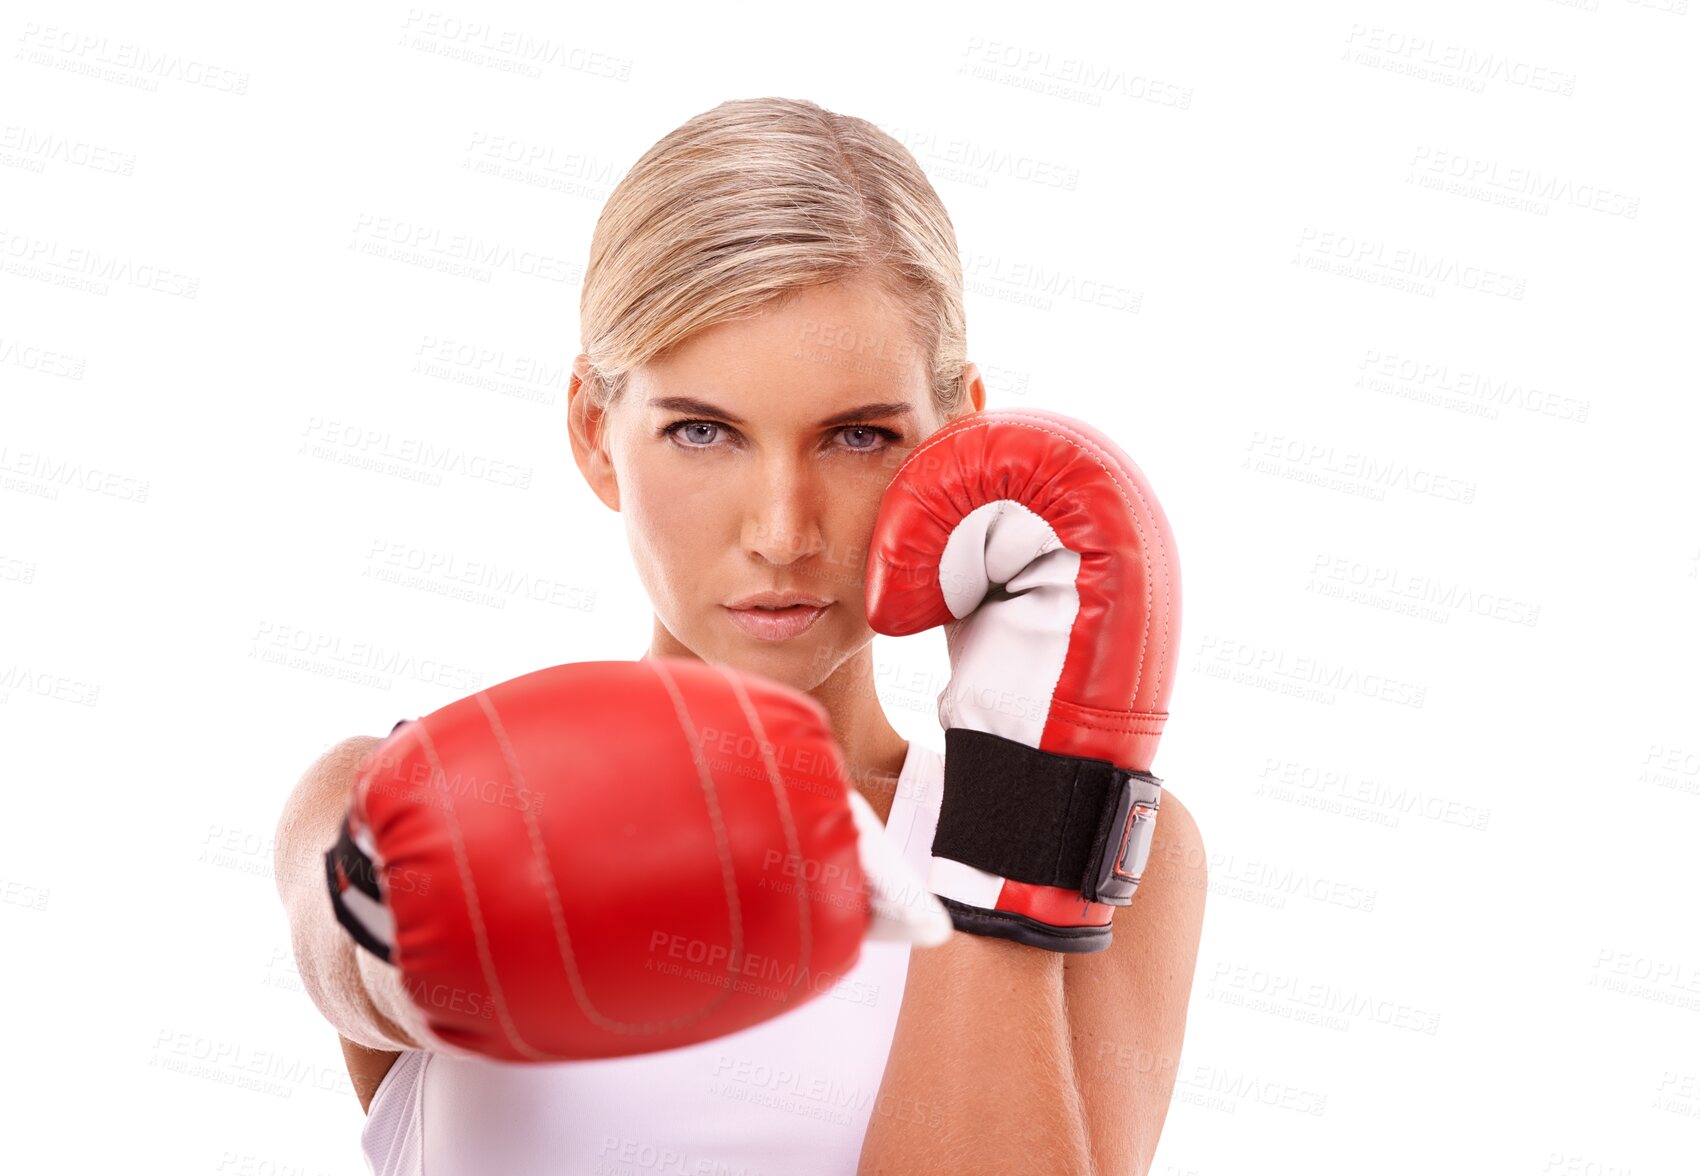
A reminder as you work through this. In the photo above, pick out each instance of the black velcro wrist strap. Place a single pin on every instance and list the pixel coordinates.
(347, 868)
(1043, 818)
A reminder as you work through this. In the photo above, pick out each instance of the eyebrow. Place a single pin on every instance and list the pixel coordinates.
(880, 408)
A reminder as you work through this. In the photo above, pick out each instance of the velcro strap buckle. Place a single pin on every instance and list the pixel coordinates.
(1045, 818)
(1125, 844)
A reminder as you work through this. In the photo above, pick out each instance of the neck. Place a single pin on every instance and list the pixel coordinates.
(873, 750)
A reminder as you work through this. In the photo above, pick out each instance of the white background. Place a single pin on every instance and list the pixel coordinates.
(1393, 303)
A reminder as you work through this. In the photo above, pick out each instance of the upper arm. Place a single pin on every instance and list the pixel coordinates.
(324, 954)
(366, 1069)
(1127, 1005)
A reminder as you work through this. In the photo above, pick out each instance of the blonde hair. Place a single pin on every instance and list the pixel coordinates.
(751, 201)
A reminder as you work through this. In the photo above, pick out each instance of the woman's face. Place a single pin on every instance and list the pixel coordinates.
(751, 460)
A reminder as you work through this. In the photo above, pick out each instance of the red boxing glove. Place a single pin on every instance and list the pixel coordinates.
(1041, 548)
(613, 858)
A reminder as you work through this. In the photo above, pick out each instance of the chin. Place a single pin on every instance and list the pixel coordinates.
(795, 668)
(782, 667)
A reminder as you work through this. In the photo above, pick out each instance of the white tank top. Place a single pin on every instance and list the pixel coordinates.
(790, 1095)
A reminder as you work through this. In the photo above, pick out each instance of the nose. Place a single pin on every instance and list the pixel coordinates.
(782, 526)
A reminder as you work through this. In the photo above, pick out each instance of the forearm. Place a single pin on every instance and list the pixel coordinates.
(981, 1074)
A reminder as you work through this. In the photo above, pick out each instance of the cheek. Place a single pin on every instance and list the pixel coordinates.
(660, 547)
(674, 522)
(845, 560)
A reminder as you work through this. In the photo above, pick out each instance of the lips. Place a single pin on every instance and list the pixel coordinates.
(777, 600)
(777, 616)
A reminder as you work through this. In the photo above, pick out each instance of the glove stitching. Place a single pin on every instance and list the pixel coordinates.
(469, 890)
(783, 804)
(1136, 723)
(734, 912)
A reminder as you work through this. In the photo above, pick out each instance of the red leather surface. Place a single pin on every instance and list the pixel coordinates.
(577, 871)
(1112, 698)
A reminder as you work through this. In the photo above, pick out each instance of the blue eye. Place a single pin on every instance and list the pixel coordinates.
(889, 436)
(673, 429)
(706, 432)
(869, 429)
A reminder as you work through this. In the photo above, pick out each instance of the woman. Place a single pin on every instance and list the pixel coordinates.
(772, 316)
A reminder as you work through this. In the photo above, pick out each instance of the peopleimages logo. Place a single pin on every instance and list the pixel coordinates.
(509, 50)
(469, 254)
(135, 65)
(88, 269)
(1450, 63)
(1060, 75)
(1469, 172)
(1350, 255)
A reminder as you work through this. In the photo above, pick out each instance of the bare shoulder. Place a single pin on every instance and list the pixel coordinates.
(331, 970)
(318, 800)
(1177, 832)
(1128, 1005)
(308, 824)
(1175, 881)
(1165, 921)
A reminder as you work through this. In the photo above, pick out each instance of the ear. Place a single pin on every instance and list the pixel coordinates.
(587, 427)
(975, 386)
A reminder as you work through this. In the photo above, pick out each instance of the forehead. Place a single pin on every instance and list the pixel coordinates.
(839, 343)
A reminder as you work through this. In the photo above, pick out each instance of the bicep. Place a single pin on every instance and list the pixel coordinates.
(366, 1069)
